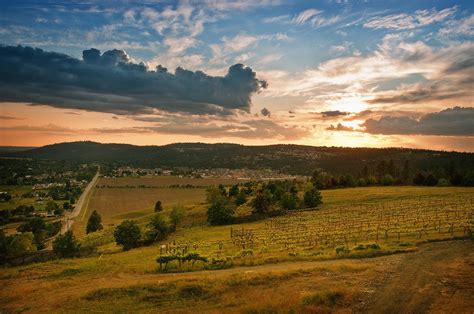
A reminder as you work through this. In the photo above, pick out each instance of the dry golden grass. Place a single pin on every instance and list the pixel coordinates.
(439, 274)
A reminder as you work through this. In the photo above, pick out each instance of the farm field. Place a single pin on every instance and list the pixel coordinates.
(117, 199)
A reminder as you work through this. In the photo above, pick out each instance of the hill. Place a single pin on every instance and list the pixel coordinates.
(295, 159)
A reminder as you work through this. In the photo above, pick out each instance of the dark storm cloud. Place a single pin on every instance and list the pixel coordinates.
(110, 82)
(455, 121)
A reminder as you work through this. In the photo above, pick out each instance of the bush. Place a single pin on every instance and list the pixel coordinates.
(430, 180)
(94, 223)
(127, 234)
(342, 250)
(443, 182)
(66, 245)
(159, 227)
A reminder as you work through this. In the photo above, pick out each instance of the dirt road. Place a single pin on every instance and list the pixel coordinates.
(437, 278)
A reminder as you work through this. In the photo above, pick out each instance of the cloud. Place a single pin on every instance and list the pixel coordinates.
(9, 118)
(226, 5)
(304, 16)
(340, 127)
(315, 18)
(463, 26)
(406, 21)
(455, 121)
(109, 82)
(265, 112)
(249, 129)
(334, 113)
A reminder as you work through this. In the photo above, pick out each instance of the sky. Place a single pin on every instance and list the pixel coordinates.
(323, 73)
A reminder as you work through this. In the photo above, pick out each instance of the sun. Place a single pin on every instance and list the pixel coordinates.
(348, 104)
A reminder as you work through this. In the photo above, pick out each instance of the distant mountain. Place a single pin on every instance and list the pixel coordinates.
(298, 159)
(7, 149)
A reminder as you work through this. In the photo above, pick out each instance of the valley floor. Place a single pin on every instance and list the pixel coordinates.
(437, 277)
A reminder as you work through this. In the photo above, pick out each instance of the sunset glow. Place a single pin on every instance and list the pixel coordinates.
(343, 73)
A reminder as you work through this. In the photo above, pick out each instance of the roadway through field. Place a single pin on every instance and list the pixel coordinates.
(80, 204)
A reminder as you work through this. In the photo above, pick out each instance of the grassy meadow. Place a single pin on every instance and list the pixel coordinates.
(271, 273)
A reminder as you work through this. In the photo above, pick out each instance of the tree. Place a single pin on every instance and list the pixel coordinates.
(234, 190)
(468, 179)
(176, 216)
(220, 211)
(288, 201)
(261, 202)
(430, 180)
(21, 244)
(127, 234)
(312, 198)
(371, 180)
(317, 179)
(406, 172)
(158, 207)
(66, 245)
(94, 223)
(387, 180)
(419, 179)
(51, 206)
(159, 227)
(241, 198)
(212, 194)
(58, 211)
(37, 226)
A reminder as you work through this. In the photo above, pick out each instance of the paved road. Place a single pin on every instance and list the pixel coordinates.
(81, 202)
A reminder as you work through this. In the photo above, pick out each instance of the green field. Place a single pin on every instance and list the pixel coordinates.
(296, 254)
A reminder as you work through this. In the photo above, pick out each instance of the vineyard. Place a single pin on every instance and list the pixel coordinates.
(340, 229)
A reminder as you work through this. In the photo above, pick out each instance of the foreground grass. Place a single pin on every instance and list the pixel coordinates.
(426, 277)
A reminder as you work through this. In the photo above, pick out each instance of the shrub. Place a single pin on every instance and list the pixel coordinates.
(159, 227)
(342, 250)
(373, 246)
(443, 182)
(66, 245)
(329, 299)
(127, 234)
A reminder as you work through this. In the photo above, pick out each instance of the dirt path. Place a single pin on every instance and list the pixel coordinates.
(437, 278)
